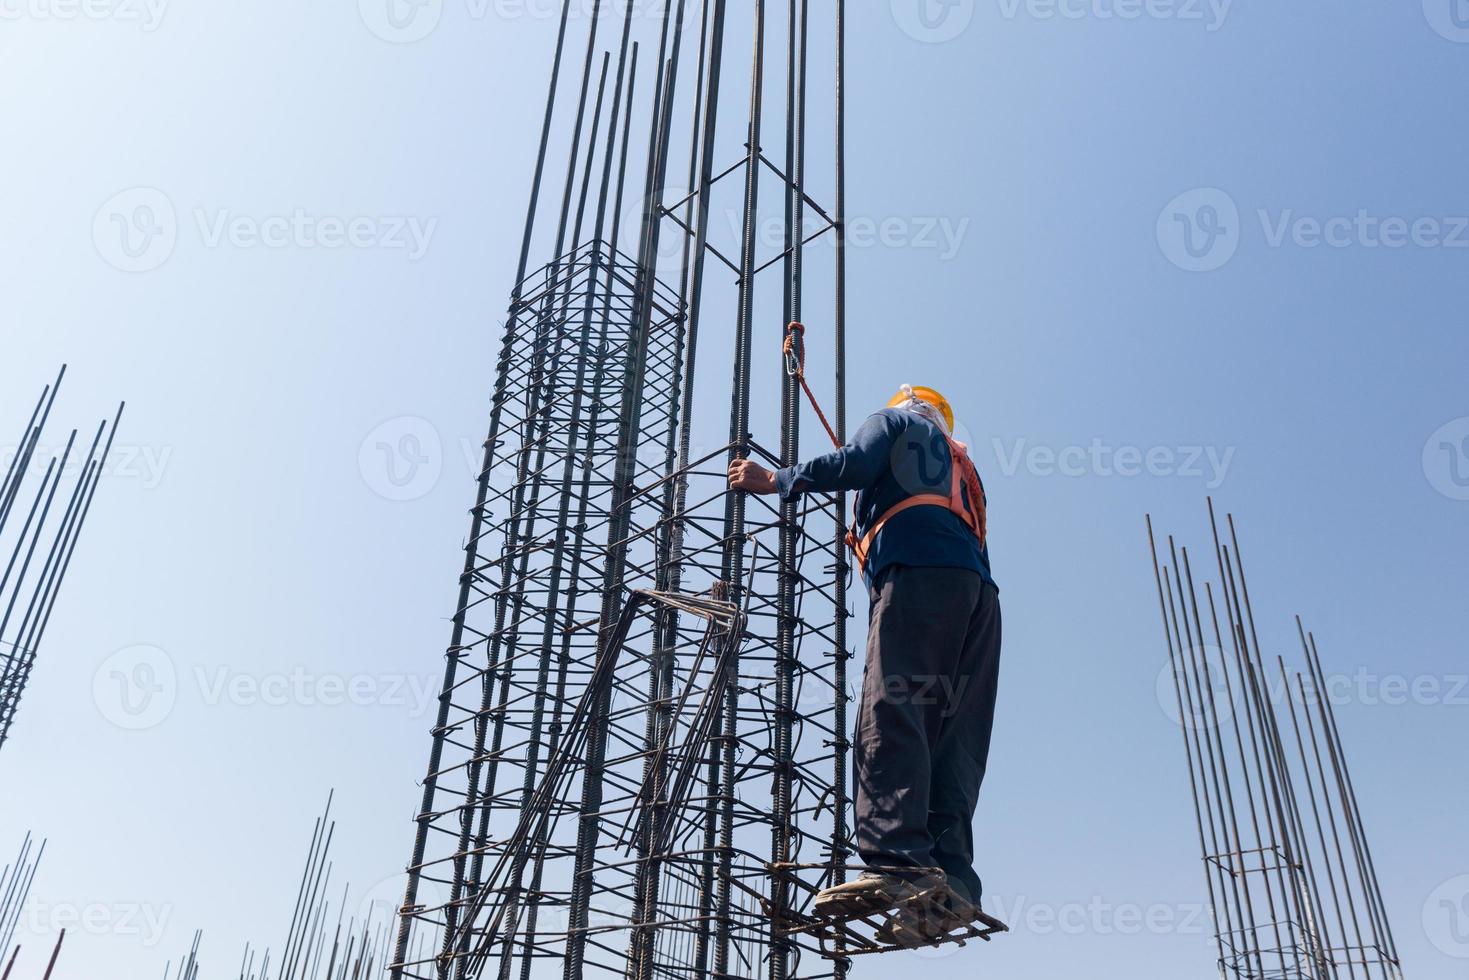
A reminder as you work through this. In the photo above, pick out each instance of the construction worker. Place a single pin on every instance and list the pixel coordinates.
(933, 658)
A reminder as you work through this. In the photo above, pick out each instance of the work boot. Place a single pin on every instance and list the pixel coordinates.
(951, 911)
(928, 921)
(871, 892)
(912, 927)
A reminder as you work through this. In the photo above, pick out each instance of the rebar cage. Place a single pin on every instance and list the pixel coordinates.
(644, 708)
(656, 787)
(1292, 884)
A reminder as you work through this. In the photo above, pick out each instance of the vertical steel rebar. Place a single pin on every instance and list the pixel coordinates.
(56, 952)
(1313, 662)
(599, 359)
(1319, 925)
(425, 814)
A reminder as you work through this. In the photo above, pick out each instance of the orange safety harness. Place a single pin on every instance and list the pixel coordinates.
(964, 482)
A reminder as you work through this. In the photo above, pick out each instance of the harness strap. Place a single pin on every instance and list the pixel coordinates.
(962, 475)
(862, 547)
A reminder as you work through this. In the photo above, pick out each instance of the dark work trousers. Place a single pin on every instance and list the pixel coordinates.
(923, 728)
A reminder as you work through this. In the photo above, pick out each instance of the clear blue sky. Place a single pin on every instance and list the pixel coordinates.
(1141, 256)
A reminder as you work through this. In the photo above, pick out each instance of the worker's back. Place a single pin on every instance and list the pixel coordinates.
(918, 463)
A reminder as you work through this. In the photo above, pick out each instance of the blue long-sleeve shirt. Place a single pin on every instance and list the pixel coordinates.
(896, 454)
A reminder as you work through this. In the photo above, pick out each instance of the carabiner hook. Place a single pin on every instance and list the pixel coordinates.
(793, 359)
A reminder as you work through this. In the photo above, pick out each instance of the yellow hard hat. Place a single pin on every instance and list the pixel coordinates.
(928, 395)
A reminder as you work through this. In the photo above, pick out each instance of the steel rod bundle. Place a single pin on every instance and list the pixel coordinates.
(15, 888)
(1292, 884)
(39, 527)
(644, 706)
(189, 965)
(321, 943)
